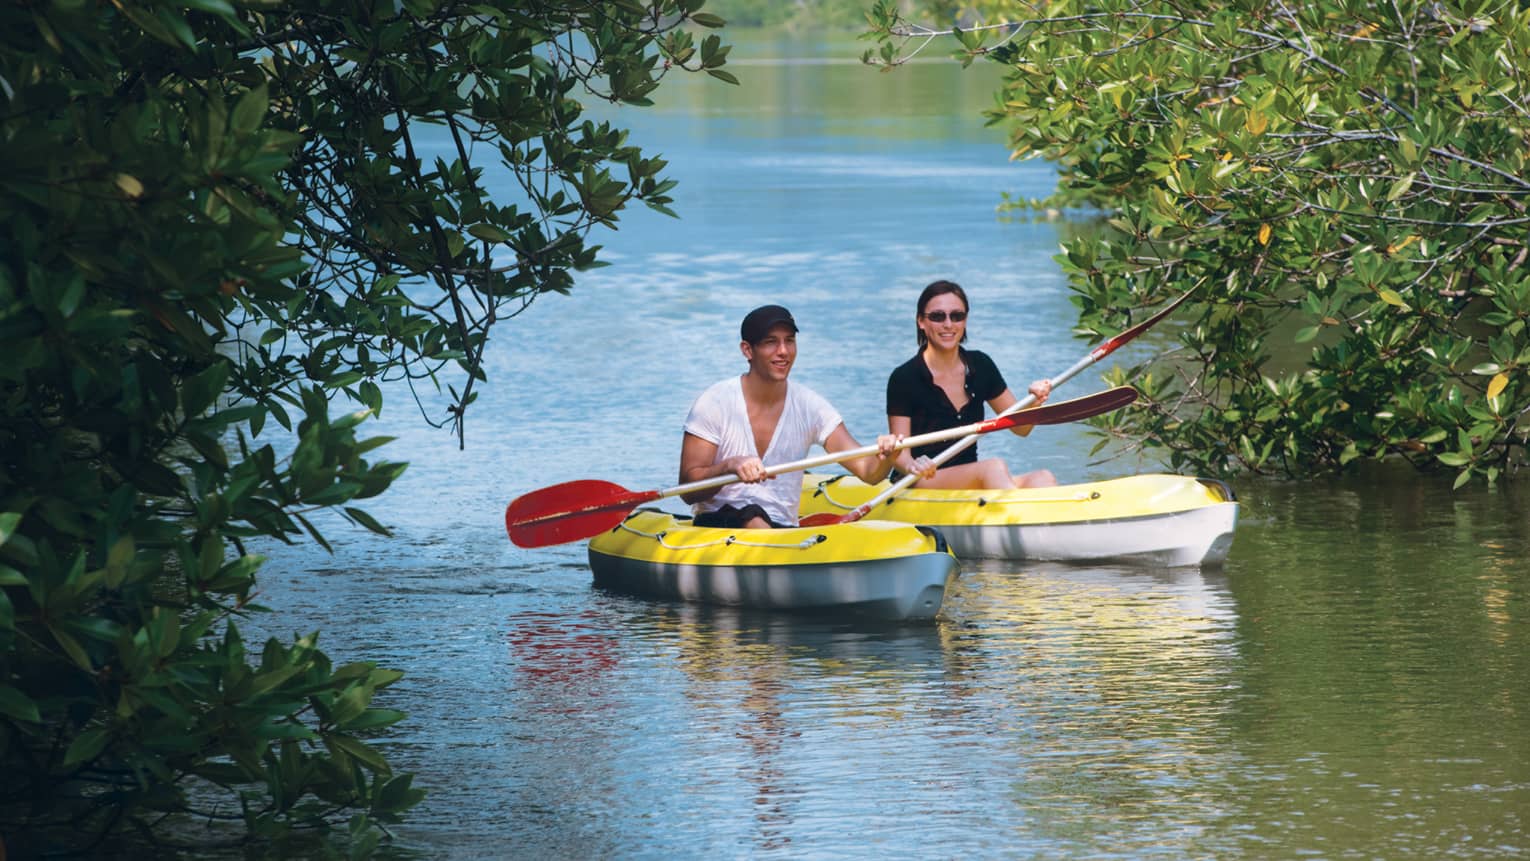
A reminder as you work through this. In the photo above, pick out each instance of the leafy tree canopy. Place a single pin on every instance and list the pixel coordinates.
(1344, 185)
(221, 216)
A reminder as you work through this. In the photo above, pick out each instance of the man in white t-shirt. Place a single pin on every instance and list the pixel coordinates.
(744, 424)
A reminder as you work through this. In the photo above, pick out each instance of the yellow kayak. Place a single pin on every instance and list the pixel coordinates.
(877, 569)
(1152, 519)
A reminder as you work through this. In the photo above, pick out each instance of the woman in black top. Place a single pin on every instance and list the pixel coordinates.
(944, 386)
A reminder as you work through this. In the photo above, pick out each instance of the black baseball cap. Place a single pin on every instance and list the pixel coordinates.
(758, 323)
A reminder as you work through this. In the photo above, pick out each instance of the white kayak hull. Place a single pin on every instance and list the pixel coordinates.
(1200, 536)
(1158, 520)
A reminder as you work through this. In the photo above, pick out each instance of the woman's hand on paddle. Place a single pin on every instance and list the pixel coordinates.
(887, 449)
(1040, 390)
(922, 467)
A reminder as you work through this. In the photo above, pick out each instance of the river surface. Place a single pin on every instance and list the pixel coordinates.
(1353, 683)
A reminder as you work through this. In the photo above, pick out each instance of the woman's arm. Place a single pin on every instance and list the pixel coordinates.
(1006, 399)
(900, 427)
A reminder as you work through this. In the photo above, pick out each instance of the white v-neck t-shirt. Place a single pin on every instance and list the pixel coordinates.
(721, 417)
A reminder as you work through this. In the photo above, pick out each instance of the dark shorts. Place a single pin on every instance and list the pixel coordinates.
(729, 517)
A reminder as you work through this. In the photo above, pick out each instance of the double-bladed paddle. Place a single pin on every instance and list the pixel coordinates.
(575, 510)
(1104, 349)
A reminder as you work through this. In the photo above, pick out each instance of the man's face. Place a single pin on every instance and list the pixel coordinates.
(772, 358)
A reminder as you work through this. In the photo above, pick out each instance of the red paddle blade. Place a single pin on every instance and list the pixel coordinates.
(1112, 343)
(822, 518)
(1078, 409)
(570, 511)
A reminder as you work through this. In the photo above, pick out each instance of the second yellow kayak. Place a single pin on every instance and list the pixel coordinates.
(1152, 519)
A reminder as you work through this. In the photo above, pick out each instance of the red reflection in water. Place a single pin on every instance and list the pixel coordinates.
(549, 648)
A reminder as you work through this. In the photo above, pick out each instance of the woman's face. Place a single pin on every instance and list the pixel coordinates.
(938, 324)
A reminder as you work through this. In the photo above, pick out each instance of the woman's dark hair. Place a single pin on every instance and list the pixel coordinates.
(937, 288)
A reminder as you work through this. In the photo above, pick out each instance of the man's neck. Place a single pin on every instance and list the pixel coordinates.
(760, 390)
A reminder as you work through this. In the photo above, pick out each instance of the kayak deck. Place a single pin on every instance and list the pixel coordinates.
(1153, 519)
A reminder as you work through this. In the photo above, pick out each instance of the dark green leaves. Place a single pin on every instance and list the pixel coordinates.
(18, 706)
(200, 390)
(221, 214)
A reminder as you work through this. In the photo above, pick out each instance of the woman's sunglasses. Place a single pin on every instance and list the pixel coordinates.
(940, 316)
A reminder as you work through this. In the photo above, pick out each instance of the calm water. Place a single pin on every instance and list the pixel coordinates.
(1354, 683)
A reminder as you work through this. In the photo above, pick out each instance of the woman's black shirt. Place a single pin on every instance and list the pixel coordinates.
(911, 391)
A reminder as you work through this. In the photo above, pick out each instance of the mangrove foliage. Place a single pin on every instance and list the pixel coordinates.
(1342, 183)
(228, 224)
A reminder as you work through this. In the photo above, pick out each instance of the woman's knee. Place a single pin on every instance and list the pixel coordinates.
(996, 474)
